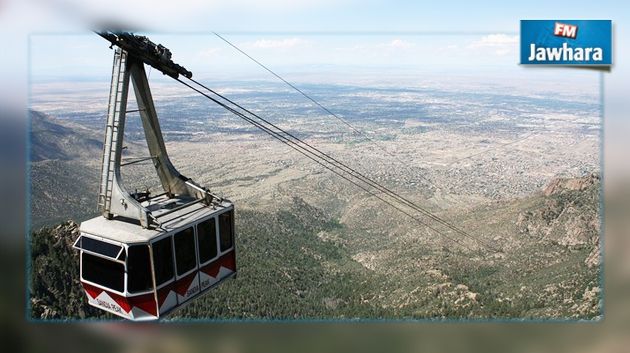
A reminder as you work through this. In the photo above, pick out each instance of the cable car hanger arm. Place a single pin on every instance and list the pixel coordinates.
(154, 55)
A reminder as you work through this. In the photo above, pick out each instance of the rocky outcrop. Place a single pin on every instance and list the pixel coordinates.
(569, 214)
(561, 185)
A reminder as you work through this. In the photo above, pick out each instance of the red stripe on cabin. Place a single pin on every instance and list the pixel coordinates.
(94, 292)
(212, 269)
(91, 290)
(164, 292)
(181, 286)
(145, 302)
(227, 261)
(120, 300)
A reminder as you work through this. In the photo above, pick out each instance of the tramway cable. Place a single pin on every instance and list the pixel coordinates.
(314, 157)
(324, 108)
(345, 168)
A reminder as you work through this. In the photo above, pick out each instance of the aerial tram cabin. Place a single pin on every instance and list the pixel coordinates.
(143, 274)
(147, 255)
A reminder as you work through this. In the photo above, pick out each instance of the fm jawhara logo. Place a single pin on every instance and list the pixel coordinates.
(566, 42)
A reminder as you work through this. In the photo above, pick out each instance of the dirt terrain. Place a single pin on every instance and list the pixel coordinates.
(524, 186)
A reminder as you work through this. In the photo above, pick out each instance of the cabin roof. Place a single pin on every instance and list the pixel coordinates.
(130, 231)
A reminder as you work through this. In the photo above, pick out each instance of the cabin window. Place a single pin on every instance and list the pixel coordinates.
(225, 230)
(207, 239)
(185, 257)
(106, 273)
(97, 246)
(163, 260)
(138, 269)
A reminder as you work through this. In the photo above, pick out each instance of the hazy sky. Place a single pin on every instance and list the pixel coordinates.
(294, 36)
(322, 15)
(77, 55)
(412, 36)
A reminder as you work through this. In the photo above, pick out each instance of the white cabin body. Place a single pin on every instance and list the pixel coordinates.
(143, 274)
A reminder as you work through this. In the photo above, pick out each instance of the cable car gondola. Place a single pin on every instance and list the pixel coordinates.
(143, 274)
(147, 255)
